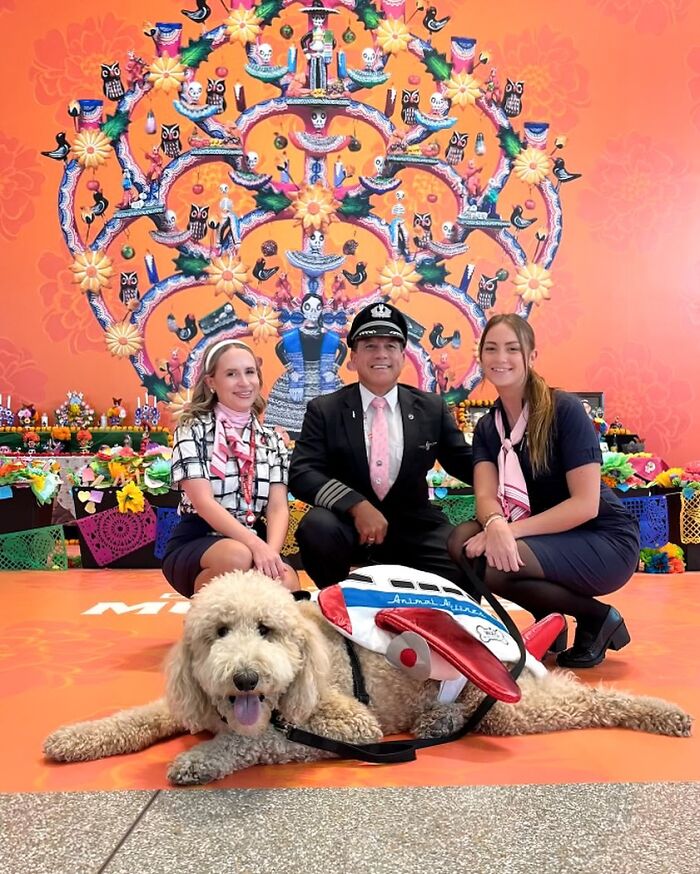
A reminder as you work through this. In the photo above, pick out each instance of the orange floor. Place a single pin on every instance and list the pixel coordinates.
(63, 657)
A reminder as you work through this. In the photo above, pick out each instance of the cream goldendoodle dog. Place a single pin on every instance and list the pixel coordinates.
(249, 649)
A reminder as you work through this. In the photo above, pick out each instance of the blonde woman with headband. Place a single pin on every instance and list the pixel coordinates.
(549, 536)
(231, 471)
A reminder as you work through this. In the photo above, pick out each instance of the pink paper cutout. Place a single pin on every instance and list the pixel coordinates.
(109, 535)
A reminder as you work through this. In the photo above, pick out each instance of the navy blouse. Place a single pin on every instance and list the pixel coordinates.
(574, 443)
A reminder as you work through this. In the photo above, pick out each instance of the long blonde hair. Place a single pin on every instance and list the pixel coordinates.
(538, 394)
(204, 399)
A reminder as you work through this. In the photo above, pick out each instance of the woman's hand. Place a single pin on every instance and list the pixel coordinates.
(266, 559)
(501, 548)
(476, 545)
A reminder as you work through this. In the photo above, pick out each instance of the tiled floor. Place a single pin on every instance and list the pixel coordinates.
(78, 644)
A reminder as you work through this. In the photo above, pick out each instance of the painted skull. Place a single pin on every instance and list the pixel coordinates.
(193, 92)
(311, 309)
(438, 104)
(265, 54)
(369, 58)
(318, 119)
(448, 230)
(316, 240)
(252, 158)
(170, 220)
(379, 165)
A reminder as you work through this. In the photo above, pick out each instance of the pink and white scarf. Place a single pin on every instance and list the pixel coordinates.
(512, 489)
(227, 439)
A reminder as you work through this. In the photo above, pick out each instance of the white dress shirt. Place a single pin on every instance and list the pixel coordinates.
(395, 426)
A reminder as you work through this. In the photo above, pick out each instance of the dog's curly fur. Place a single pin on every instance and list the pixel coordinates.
(245, 635)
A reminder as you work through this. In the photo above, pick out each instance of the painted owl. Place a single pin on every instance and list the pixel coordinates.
(216, 94)
(112, 85)
(170, 141)
(512, 102)
(198, 221)
(409, 104)
(424, 221)
(129, 289)
(454, 153)
(487, 289)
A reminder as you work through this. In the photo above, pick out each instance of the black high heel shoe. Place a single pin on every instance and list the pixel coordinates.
(589, 648)
(559, 643)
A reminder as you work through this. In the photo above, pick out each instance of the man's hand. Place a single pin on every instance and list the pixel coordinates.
(369, 523)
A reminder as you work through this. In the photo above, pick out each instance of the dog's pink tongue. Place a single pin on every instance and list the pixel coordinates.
(247, 709)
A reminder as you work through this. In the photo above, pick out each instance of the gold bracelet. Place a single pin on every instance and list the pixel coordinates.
(491, 518)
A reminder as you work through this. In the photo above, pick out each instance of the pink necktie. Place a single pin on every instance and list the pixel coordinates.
(379, 449)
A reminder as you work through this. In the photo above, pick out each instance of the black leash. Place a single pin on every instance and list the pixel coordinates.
(395, 751)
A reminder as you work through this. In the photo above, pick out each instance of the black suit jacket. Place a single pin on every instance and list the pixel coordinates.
(329, 465)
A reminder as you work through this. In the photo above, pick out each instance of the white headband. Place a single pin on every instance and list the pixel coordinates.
(221, 345)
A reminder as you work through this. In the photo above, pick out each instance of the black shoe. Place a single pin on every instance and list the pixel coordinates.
(559, 643)
(590, 647)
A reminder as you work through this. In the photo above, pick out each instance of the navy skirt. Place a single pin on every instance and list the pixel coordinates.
(587, 561)
(191, 538)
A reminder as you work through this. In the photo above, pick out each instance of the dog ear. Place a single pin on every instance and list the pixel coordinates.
(185, 696)
(302, 697)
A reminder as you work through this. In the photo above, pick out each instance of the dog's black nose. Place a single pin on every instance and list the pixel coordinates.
(246, 681)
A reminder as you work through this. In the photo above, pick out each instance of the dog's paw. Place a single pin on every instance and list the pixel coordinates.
(346, 720)
(439, 721)
(76, 743)
(192, 768)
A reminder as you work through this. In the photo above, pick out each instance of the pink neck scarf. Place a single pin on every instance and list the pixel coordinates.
(227, 439)
(512, 490)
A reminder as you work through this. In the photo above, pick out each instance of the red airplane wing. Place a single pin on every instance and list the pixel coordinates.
(447, 638)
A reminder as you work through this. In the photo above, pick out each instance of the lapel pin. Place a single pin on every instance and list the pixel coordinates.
(410, 416)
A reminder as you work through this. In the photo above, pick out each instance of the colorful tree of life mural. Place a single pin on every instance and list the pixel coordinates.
(335, 185)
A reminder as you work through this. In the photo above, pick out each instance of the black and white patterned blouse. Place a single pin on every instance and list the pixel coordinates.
(192, 450)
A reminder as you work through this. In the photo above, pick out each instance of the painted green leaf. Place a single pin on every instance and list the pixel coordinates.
(190, 265)
(431, 272)
(197, 51)
(272, 201)
(368, 14)
(268, 10)
(510, 142)
(157, 386)
(115, 125)
(355, 205)
(437, 65)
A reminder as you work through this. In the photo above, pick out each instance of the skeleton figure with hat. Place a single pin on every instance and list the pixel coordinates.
(318, 44)
(362, 458)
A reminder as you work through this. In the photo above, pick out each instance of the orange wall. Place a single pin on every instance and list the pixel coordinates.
(621, 78)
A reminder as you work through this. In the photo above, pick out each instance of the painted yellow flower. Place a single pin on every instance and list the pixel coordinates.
(123, 339)
(393, 35)
(531, 165)
(228, 275)
(91, 148)
(532, 283)
(130, 499)
(263, 322)
(243, 25)
(92, 269)
(314, 208)
(462, 89)
(178, 401)
(166, 74)
(398, 279)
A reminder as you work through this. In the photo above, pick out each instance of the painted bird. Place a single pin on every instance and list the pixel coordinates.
(432, 23)
(100, 207)
(186, 333)
(359, 276)
(562, 174)
(60, 153)
(437, 341)
(201, 13)
(517, 220)
(261, 272)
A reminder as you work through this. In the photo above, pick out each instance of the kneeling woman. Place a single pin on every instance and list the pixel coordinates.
(231, 470)
(553, 536)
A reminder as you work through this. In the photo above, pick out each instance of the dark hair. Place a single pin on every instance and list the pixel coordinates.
(538, 394)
